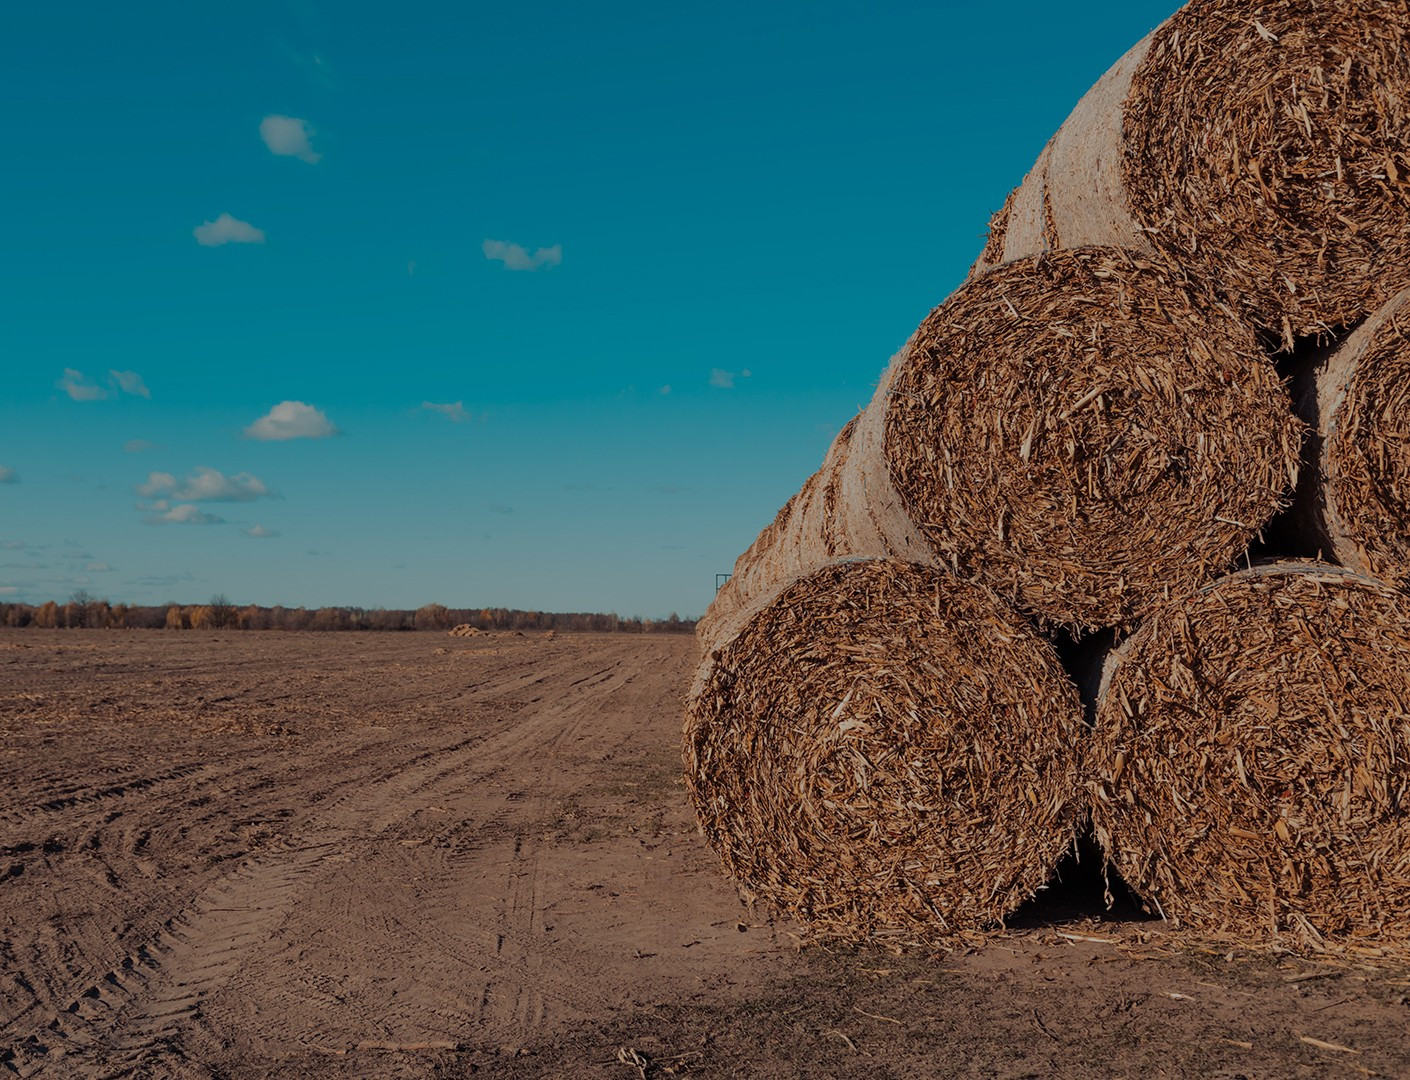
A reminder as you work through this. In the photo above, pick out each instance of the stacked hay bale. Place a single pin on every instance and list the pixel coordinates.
(1088, 435)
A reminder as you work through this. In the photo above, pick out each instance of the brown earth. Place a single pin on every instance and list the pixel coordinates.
(270, 854)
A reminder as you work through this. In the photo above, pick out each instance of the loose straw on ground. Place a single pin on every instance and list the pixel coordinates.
(1252, 760)
(1356, 500)
(1085, 434)
(886, 753)
(1262, 146)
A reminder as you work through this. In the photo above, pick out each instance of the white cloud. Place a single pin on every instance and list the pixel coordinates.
(138, 446)
(291, 420)
(259, 532)
(80, 387)
(98, 568)
(181, 514)
(205, 484)
(8, 475)
(129, 382)
(227, 230)
(724, 380)
(454, 411)
(288, 136)
(665, 390)
(515, 257)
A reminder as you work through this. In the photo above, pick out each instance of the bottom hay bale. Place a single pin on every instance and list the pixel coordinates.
(886, 753)
(1252, 760)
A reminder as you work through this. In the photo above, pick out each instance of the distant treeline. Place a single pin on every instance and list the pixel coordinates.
(220, 614)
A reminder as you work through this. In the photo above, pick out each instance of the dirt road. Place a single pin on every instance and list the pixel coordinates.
(243, 855)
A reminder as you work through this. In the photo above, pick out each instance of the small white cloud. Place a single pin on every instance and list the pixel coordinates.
(129, 382)
(724, 380)
(665, 390)
(259, 532)
(288, 136)
(182, 514)
(98, 568)
(80, 387)
(227, 230)
(515, 257)
(139, 446)
(291, 420)
(454, 411)
(12, 545)
(205, 484)
(8, 475)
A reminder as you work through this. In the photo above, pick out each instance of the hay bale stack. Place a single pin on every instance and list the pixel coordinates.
(1252, 760)
(1261, 146)
(464, 630)
(1086, 434)
(886, 753)
(1356, 504)
(847, 509)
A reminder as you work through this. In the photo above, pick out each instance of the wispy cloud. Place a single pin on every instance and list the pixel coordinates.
(80, 387)
(499, 508)
(516, 257)
(139, 446)
(666, 390)
(98, 568)
(8, 475)
(227, 230)
(204, 484)
(181, 514)
(259, 532)
(454, 411)
(291, 420)
(288, 136)
(129, 382)
(725, 380)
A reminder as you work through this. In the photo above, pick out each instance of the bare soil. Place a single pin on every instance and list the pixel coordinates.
(326, 855)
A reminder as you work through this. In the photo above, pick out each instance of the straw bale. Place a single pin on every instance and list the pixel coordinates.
(1251, 760)
(1261, 146)
(1356, 504)
(886, 752)
(1086, 434)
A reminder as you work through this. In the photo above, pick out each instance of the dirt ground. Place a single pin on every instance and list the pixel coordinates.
(328, 855)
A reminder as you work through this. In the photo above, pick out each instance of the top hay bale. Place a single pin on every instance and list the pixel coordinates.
(1262, 146)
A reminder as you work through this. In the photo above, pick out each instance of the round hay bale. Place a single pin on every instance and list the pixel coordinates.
(1251, 760)
(1357, 502)
(1085, 434)
(1262, 145)
(886, 753)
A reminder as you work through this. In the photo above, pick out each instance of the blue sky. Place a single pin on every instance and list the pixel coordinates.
(541, 305)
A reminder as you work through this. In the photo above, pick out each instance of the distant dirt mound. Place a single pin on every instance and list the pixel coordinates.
(464, 630)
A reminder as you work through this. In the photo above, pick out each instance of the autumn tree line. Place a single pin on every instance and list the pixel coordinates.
(82, 611)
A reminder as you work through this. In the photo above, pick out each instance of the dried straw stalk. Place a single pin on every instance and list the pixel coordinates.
(1252, 760)
(1356, 503)
(886, 753)
(1085, 434)
(1262, 146)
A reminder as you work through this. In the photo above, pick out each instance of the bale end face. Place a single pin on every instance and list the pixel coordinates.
(886, 754)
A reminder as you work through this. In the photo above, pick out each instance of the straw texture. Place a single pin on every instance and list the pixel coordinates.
(1356, 505)
(1261, 146)
(886, 753)
(1085, 434)
(1252, 760)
